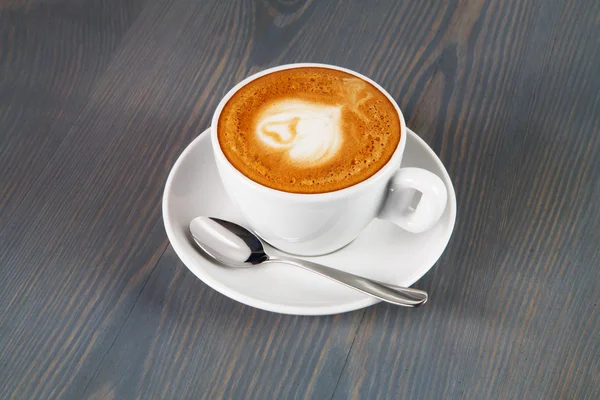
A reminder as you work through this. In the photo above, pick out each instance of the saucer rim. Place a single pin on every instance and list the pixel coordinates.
(307, 310)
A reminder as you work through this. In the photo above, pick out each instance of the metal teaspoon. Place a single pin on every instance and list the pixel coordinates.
(235, 246)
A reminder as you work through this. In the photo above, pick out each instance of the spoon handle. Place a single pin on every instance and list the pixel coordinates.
(398, 295)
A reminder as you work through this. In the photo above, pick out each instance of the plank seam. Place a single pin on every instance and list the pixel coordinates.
(125, 321)
(348, 354)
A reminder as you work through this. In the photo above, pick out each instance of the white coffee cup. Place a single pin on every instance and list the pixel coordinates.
(315, 224)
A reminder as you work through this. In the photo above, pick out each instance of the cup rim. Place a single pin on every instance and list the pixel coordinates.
(391, 166)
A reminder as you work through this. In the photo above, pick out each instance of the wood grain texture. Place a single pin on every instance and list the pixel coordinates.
(51, 54)
(507, 93)
(167, 348)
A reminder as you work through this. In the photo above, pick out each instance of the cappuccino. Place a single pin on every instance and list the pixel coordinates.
(308, 130)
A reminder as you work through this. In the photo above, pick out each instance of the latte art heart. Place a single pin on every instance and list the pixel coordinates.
(309, 133)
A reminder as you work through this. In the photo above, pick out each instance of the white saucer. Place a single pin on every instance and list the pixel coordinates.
(383, 251)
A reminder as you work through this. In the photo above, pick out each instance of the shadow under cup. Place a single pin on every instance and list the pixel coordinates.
(316, 224)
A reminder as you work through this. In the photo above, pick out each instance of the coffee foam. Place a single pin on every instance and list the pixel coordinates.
(308, 130)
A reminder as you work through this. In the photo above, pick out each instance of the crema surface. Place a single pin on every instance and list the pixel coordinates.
(308, 130)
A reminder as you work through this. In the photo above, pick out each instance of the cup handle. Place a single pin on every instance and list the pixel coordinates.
(401, 191)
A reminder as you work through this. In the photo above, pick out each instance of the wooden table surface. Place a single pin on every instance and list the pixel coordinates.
(97, 100)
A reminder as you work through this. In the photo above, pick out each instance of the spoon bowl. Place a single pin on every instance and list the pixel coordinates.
(228, 243)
